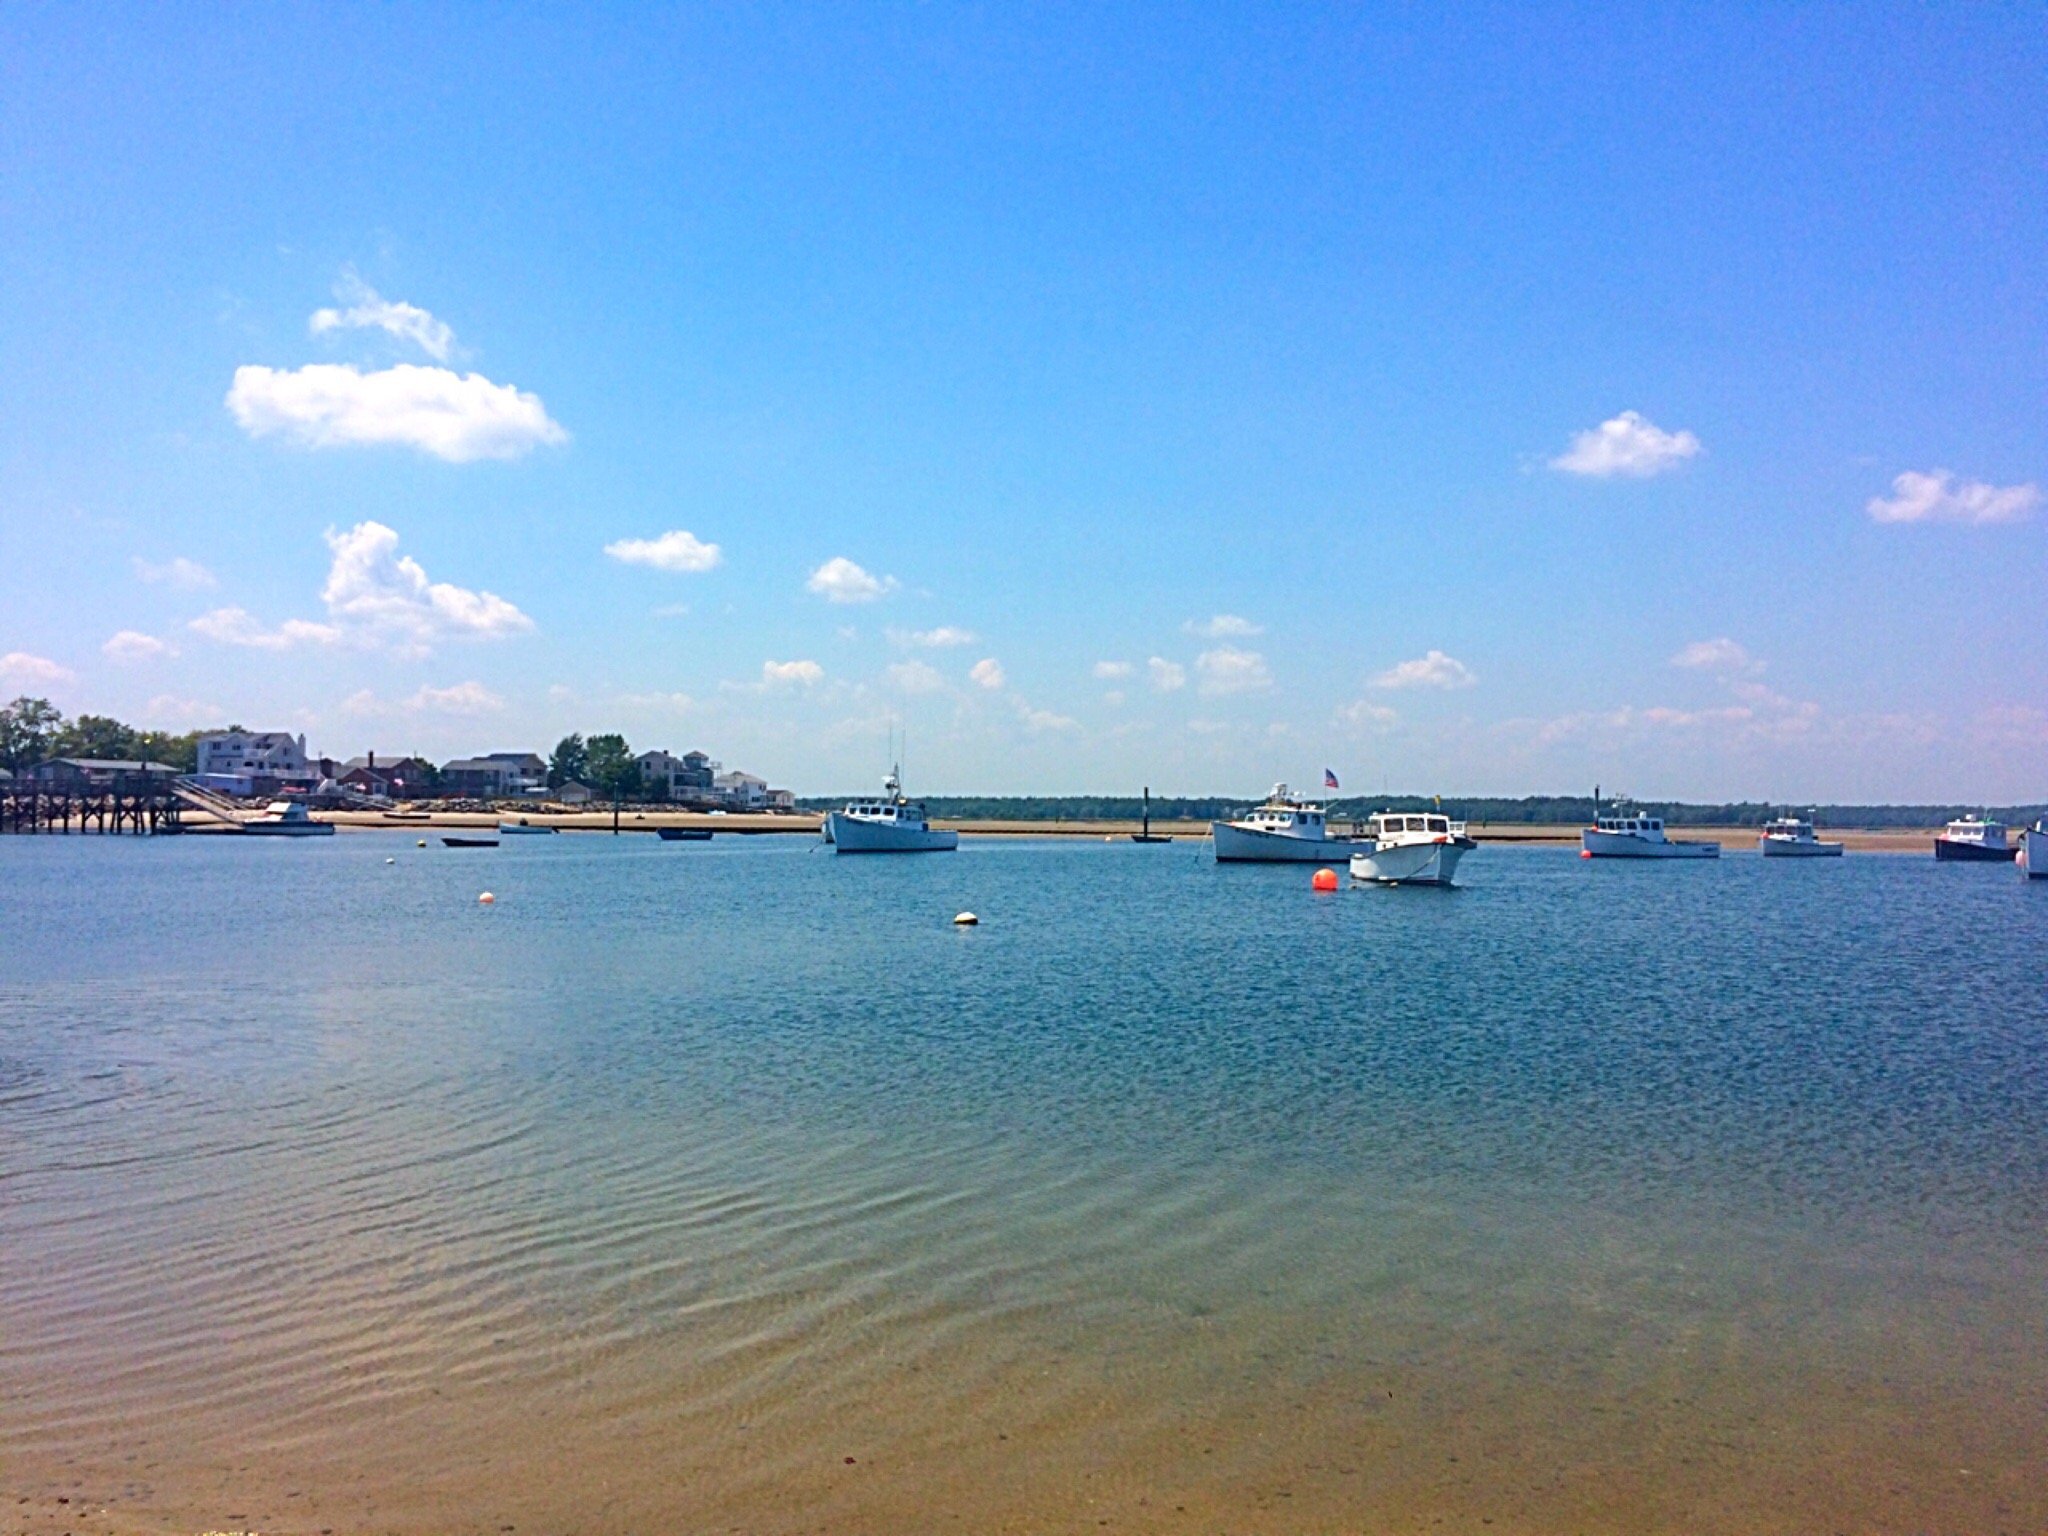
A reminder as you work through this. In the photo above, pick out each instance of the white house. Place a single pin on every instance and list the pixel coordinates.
(252, 755)
(742, 791)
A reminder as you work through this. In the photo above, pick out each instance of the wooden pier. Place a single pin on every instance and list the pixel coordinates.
(145, 805)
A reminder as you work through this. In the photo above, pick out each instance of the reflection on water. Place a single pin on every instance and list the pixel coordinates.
(729, 1185)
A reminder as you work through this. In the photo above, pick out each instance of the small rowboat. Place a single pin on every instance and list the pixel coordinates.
(683, 834)
(523, 829)
(469, 842)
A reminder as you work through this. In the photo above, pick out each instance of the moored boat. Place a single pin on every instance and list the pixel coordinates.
(891, 824)
(683, 834)
(1624, 832)
(2034, 850)
(1792, 837)
(1411, 848)
(524, 828)
(1283, 830)
(1974, 840)
(469, 842)
(286, 818)
(1144, 832)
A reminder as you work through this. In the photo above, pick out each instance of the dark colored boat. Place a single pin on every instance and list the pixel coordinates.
(1974, 840)
(469, 842)
(1145, 836)
(683, 834)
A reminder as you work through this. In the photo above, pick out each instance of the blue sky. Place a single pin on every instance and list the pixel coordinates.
(1486, 404)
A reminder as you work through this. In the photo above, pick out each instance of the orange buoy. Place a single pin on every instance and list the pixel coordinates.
(1325, 880)
(1585, 853)
(486, 899)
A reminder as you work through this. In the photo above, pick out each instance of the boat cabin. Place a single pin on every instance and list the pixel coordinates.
(1631, 824)
(1277, 817)
(1790, 826)
(887, 810)
(1391, 824)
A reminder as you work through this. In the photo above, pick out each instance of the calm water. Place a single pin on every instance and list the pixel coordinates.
(728, 1186)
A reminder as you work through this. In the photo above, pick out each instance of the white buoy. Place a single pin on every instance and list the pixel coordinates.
(965, 920)
(486, 899)
(423, 842)
(391, 861)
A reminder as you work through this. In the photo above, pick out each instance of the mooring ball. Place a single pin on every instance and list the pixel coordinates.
(965, 920)
(1325, 880)
(486, 899)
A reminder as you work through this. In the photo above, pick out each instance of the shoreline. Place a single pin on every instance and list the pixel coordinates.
(1913, 840)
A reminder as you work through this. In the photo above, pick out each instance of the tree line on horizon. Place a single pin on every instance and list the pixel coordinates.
(34, 731)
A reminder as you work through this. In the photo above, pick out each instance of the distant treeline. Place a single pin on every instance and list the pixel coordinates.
(1537, 810)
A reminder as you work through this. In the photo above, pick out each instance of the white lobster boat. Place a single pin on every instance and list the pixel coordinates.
(1408, 848)
(1281, 831)
(1622, 833)
(1791, 837)
(891, 824)
(2034, 850)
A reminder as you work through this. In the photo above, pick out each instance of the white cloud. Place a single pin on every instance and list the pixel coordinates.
(1166, 675)
(380, 594)
(839, 580)
(1044, 719)
(375, 596)
(1224, 626)
(988, 672)
(238, 626)
(457, 417)
(167, 711)
(782, 673)
(1110, 670)
(1626, 445)
(677, 550)
(1717, 655)
(1229, 670)
(1938, 497)
(462, 699)
(408, 322)
(186, 575)
(133, 645)
(670, 703)
(1113, 696)
(932, 639)
(1433, 670)
(18, 667)
(1366, 715)
(914, 677)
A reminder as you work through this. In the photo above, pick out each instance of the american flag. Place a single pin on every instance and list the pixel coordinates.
(1329, 778)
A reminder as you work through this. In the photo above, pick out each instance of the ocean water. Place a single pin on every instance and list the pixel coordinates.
(729, 1186)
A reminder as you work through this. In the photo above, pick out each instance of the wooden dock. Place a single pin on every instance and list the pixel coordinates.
(148, 806)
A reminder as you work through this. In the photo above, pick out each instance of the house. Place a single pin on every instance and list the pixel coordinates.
(493, 775)
(742, 791)
(89, 773)
(397, 778)
(573, 793)
(781, 800)
(253, 756)
(685, 778)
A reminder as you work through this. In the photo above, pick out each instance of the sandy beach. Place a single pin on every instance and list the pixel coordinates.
(1732, 839)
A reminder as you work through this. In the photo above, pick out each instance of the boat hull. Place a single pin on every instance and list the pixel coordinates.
(1245, 845)
(2034, 853)
(294, 829)
(1796, 848)
(1412, 863)
(850, 834)
(1972, 853)
(1625, 845)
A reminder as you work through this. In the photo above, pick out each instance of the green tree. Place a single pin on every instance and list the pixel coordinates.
(570, 761)
(99, 736)
(613, 773)
(28, 733)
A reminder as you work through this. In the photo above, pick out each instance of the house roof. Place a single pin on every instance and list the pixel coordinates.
(110, 765)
